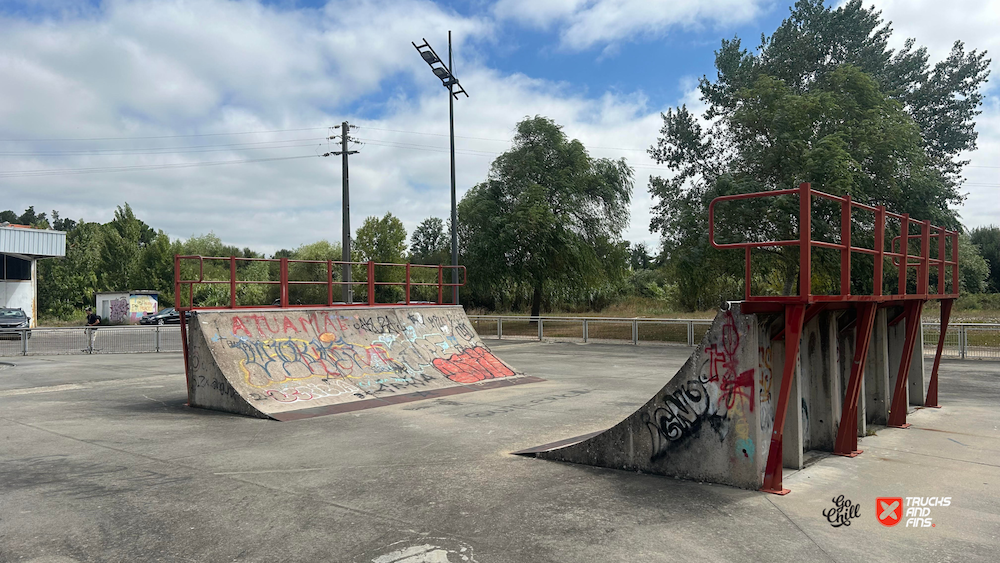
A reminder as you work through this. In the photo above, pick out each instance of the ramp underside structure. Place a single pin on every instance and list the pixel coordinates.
(288, 364)
(812, 369)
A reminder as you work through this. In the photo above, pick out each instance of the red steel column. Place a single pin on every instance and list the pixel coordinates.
(845, 240)
(897, 413)
(904, 237)
(232, 282)
(847, 432)
(805, 241)
(371, 283)
(283, 267)
(793, 334)
(329, 283)
(932, 389)
(407, 283)
(880, 247)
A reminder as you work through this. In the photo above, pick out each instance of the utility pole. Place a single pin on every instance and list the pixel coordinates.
(347, 290)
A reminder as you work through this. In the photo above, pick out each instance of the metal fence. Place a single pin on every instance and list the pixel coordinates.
(81, 340)
(586, 329)
(979, 341)
(963, 340)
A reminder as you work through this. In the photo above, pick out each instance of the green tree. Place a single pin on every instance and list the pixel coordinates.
(988, 241)
(823, 100)
(381, 240)
(973, 270)
(124, 240)
(66, 285)
(429, 244)
(548, 216)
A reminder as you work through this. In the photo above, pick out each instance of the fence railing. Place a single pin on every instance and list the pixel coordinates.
(963, 341)
(979, 341)
(83, 340)
(586, 329)
(217, 282)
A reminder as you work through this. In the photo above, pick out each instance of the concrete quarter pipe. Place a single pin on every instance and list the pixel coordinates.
(710, 422)
(287, 364)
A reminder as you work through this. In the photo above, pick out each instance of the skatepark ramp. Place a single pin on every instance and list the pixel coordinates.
(777, 375)
(288, 364)
(710, 422)
(309, 355)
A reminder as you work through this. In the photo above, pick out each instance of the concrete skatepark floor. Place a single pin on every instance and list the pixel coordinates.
(102, 461)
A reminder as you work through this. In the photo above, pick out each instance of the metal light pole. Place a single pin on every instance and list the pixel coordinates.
(449, 81)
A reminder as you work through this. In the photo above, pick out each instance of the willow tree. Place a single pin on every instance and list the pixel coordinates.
(822, 100)
(548, 217)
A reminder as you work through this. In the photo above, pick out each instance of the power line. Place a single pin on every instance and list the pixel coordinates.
(158, 136)
(173, 150)
(108, 169)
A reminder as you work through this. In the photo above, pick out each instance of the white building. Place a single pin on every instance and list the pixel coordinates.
(20, 249)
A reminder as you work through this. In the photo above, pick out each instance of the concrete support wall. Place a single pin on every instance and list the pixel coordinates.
(820, 368)
(919, 379)
(878, 393)
(848, 346)
(895, 336)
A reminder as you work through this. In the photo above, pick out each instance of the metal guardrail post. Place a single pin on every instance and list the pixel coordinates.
(157, 338)
(540, 333)
(690, 327)
(586, 330)
(963, 341)
(499, 328)
(24, 342)
(635, 332)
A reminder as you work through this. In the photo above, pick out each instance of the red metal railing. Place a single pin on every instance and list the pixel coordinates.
(919, 258)
(184, 289)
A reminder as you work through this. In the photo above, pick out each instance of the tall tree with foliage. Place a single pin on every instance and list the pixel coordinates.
(987, 241)
(548, 215)
(429, 244)
(381, 240)
(822, 100)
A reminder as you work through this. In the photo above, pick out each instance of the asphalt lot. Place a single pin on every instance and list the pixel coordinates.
(102, 461)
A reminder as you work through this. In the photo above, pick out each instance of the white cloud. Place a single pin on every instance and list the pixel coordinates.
(585, 23)
(974, 22)
(160, 69)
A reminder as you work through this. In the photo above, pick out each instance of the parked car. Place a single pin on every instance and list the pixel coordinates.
(11, 319)
(168, 316)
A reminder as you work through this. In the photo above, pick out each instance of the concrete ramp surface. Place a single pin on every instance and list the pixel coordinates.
(296, 363)
(710, 422)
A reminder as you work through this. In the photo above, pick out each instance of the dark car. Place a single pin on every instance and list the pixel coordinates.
(168, 316)
(11, 319)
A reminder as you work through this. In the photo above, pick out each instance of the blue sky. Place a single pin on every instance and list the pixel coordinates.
(141, 100)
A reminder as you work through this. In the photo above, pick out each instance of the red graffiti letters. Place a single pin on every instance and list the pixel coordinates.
(472, 365)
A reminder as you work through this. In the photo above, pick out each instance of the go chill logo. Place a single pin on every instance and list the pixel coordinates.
(915, 510)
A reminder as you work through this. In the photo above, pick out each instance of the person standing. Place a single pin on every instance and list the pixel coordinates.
(92, 319)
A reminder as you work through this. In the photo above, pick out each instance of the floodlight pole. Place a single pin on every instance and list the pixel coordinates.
(449, 81)
(454, 203)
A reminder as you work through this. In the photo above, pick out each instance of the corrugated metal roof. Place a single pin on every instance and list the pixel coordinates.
(32, 242)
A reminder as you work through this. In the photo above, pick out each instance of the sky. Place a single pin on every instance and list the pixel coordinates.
(210, 115)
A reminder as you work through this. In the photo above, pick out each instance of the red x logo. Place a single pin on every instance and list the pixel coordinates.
(889, 510)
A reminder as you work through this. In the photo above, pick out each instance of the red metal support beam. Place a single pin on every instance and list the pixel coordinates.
(847, 431)
(283, 267)
(329, 283)
(371, 283)
(932, 389)
(904, 236)
(440, 284)
(897, 413)
(845, 240)
(880, 248)
(232, 282)
(793, 328)
(407, 283)
(184, 348)
(923, 282)
(805, 241)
